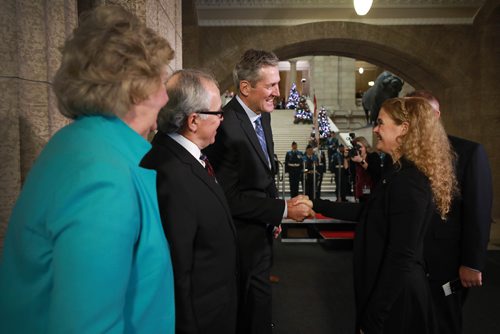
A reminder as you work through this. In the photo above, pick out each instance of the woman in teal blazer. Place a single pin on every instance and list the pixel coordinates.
(85, 250)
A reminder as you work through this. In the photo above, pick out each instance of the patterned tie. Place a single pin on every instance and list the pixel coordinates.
(262, 138)
(208, 166)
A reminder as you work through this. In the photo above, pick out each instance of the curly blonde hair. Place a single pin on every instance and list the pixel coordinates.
(111, 62)
(426, 145)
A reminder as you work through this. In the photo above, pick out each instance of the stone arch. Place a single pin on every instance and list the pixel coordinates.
(385, 57)
(419, 54)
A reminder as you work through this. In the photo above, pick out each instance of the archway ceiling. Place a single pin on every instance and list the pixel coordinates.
(293, 12)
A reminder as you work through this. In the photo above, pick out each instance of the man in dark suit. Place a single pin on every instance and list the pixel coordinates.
(456, 248)
(242, 158)
(195, 214)
(293, 166)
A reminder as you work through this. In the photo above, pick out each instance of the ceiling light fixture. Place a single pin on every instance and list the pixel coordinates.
(362, 7)
(361, 70)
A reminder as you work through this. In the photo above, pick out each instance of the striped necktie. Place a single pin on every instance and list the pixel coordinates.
(262, 138)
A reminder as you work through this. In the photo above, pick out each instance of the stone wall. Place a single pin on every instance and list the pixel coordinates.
(333, 82)
(32, 32)
(458, 63)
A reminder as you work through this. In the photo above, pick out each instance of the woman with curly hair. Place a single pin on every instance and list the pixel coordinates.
(85, 250)
(391, 287)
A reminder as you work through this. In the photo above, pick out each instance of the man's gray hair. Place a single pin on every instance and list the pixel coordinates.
(250, 64)
(186, 96)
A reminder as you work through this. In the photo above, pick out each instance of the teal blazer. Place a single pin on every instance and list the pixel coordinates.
(85, 251)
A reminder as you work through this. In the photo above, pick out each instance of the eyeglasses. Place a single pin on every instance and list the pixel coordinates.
(219, 113)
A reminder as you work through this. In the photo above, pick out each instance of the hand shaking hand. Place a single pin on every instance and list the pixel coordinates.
(300, 208)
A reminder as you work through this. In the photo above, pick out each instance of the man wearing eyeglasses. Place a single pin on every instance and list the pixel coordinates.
(195, 214)
(242, 159)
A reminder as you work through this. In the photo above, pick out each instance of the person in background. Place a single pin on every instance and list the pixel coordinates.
(340, 172)
(456, 249)
(311, 171)
(85, 250)
(242, 159)
(293, 166)
(367, 166)
(332, 145)
(391, 287)
(321, 171)
(193, 207)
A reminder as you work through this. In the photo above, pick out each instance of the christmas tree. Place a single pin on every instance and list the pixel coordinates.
(293, 98)
(323, 125)
(303, 113)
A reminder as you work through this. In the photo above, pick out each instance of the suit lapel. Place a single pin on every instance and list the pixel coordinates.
(249, 131)
(266, 124)
(197, 169)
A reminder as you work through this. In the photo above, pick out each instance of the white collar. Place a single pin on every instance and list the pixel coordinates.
(191, 147)
(251, 115)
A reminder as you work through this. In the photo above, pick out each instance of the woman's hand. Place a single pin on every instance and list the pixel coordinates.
(357, 158)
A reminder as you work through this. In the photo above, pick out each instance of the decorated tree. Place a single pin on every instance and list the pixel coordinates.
(293, 98)
(302, 112)
(323, 125)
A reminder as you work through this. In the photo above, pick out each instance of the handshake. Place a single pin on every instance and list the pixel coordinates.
(300, 208)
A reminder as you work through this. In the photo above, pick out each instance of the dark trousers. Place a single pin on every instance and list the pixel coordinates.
(448, 309)
(255, 310)
(319, 181)
(341, 183)
(294, 179)
(309, 186)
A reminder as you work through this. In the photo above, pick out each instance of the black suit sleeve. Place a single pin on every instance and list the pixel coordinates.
(338, 210)
(180, 227)
(243, 177)
(409, 201)
(477, 198)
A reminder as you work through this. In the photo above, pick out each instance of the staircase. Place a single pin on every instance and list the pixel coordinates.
(284, 133)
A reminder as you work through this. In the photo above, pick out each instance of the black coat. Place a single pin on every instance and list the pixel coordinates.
(463, 238)
(202, 237)
(244, 173)
(391, 287)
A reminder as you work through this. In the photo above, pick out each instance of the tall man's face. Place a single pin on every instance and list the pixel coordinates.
(260, 97)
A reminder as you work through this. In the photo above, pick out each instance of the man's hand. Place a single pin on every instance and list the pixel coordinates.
(300, 212)
(300, 208)
(276, 231)
(300, 199)
(470, 277)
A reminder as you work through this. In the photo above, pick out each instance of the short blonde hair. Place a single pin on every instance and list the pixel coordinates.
(111, 62)
(426, 145)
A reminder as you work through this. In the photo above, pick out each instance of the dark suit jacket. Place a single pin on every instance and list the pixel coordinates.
(244, 173)
(202, 237)
(391, 288)
(463, 238)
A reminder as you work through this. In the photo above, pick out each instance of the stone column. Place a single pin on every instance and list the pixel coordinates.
(346, 83)
(32, 33)
(293, 73)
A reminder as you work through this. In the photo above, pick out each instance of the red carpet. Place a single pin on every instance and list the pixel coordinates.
(337, 234)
